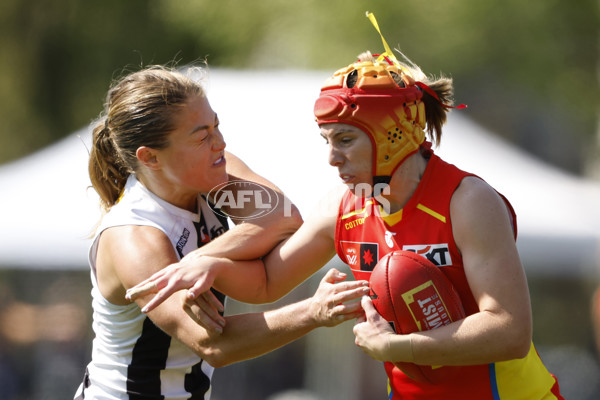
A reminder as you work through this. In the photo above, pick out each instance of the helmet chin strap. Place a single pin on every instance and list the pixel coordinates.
(380, 183)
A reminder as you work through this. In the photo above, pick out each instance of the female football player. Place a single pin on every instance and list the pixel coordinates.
(157, 151)
(376, 115)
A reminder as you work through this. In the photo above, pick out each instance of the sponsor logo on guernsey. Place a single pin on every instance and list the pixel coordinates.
(389, 239)
(182, 240)
(361, 256)
(216, 231)
(354, 223)
(438, 254)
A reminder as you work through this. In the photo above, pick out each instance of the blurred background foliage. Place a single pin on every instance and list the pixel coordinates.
(527, 70)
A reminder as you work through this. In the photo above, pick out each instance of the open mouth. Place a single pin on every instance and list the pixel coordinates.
(219, 161)
(346, 178)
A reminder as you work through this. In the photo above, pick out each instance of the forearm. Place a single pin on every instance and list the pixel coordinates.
(246, 281)
(245, 336)
(481, 338)
(249, 240)
(273, 276)
(262, 280)
(250, 335)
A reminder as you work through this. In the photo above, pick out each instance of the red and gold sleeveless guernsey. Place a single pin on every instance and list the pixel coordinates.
(364, 234)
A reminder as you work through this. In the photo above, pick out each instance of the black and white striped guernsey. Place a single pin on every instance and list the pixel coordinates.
(131, 357)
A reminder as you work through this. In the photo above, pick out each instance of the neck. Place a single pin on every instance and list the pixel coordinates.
(168, 192)
(404, 181)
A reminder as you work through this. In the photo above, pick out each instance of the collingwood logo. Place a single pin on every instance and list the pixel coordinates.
(438, 254)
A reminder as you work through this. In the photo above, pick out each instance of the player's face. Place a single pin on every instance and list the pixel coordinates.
(194, 161)
(351, 152)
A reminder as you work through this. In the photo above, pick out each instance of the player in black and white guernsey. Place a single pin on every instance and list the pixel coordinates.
(129, 351)
(156, 152)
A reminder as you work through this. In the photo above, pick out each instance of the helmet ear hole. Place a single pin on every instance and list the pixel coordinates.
(352, 79)
(398, 79)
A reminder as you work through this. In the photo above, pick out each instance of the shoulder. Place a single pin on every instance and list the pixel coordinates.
(478, 213)
(127, 255)
(135, 244)
(476, 195)
(472, 188)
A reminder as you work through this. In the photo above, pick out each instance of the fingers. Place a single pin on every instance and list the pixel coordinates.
(158, 299)
(367, 304)
(344, 292)
(336, 312)
(140, 290)
(335, 299)
(148, 286)
(199, 287)
(371, 312)
(203, 312)
(213, 301)
(345, 312)
(333, 276)
(348, 291)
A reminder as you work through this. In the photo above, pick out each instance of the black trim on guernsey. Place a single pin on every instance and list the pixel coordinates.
(196, 382)
(149, 357)
(85, 385)
(151, 350)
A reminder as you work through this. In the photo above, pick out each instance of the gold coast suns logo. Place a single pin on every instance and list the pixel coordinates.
(438, 254)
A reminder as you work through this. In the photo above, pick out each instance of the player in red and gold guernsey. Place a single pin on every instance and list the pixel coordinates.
(436, 210)
(376, 116)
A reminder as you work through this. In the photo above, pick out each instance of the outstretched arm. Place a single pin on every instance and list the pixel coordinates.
(258, 281)
(249, 335)
(126, 254)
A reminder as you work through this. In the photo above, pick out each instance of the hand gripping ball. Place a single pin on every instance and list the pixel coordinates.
(414, 295)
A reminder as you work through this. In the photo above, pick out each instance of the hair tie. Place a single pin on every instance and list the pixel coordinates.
(432, 93)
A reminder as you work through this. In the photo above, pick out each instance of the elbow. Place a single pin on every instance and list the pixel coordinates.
(213, 355)
(521, 348)
(520, 339)
(291, 219)
(264, 295)
(218, 361)
(271, 297)
(282, 223)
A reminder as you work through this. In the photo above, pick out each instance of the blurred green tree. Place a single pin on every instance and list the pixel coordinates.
(526, 69)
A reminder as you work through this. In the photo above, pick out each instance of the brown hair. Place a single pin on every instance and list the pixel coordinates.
(138, 111)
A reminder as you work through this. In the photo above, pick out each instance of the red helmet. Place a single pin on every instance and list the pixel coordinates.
(366, 95)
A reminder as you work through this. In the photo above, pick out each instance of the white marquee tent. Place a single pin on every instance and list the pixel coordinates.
(266, 117)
